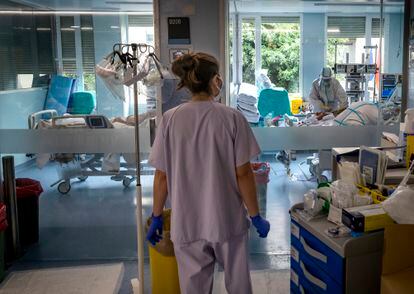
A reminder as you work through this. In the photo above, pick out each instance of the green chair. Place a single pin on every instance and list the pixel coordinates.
(274, 102)
(82, 102)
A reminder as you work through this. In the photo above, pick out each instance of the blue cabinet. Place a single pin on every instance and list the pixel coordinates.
(320, 264)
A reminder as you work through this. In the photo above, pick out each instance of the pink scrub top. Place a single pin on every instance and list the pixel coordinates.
(199, 145)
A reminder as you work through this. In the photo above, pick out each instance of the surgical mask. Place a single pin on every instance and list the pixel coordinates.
(217, 98)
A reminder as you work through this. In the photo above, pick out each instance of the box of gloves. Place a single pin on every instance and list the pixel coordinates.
(366, 218)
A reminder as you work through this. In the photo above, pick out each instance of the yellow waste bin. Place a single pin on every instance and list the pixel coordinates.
(296, 103)
(163, 265)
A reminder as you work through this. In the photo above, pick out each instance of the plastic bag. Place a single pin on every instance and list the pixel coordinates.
(263, 81)
(400, 205)
(111, 162)
(111, 71)
(312, 203)
(343, 194)
(149, 70)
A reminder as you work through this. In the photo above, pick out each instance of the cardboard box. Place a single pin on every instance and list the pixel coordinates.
(398, 260)
(366, 218)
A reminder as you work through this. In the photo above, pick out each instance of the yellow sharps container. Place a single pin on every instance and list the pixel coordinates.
(163, 265)
(296, 103)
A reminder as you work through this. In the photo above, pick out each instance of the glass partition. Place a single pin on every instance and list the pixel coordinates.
(297, 40)
(85, 162)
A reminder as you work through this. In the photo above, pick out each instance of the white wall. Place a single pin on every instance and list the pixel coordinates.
(206, 27)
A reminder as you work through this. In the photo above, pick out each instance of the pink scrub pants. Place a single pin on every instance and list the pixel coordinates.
(196, 261)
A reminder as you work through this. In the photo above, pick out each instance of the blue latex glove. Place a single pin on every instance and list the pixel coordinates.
(262, 225)
(154, 234)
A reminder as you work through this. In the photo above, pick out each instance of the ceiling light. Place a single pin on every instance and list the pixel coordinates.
(334, 30)
(75, 27)
(357, 4)
(128, 2)
(86, 28)
(114, 27)
(43, 29)
(22, 28)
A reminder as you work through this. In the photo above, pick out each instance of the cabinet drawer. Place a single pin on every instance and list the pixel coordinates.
(315, 280)
(321, 255)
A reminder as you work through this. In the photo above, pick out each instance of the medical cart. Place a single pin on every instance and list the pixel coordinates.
(322, 264)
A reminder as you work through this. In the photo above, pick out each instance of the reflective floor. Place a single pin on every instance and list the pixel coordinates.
(95, 221)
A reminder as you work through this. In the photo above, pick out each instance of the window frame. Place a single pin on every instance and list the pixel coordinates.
(258, 37)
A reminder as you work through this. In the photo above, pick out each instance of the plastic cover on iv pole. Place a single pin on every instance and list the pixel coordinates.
(120, 69)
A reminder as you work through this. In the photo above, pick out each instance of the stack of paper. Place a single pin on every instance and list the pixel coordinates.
(373, 165)
(247, 102)
(350, 172)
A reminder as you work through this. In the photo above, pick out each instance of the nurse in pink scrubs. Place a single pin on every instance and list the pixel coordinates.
(202, 154)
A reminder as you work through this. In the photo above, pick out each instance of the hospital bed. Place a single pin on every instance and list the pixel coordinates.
(80, 165)
(386, 114)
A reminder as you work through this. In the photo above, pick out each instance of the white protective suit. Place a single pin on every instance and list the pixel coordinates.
(327, 94)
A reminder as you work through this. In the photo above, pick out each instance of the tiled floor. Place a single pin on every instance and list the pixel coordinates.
(91, 279)
(263, 282)
(95, 222)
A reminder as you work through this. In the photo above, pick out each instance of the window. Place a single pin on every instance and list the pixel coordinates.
(375, 40)
(83, 66)
(26, 51)
(249, 50)
(346, 42)
(280, 51)
(88, 52)
(67, 33)
(346, 39)
(141, 29)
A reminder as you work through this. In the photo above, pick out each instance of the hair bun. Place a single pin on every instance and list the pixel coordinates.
(185, 64)
(189, 62)
(195, 71)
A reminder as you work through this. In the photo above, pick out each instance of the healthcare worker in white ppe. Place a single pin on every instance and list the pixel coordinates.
(202, 154)
(327, 94)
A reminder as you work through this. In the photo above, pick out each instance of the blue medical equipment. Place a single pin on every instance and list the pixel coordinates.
(274, 102)
(60, 90)
(82, 102)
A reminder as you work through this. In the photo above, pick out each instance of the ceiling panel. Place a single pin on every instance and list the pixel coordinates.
(312, 6)
(88, 5)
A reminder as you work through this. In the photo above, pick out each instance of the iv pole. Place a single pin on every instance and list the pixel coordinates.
(140, 233)
(138, 284)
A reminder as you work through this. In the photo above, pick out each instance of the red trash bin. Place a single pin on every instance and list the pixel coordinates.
(27, 194)
(261, 172)
(3, 227)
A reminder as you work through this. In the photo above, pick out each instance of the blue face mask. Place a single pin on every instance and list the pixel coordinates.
(217, 98)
